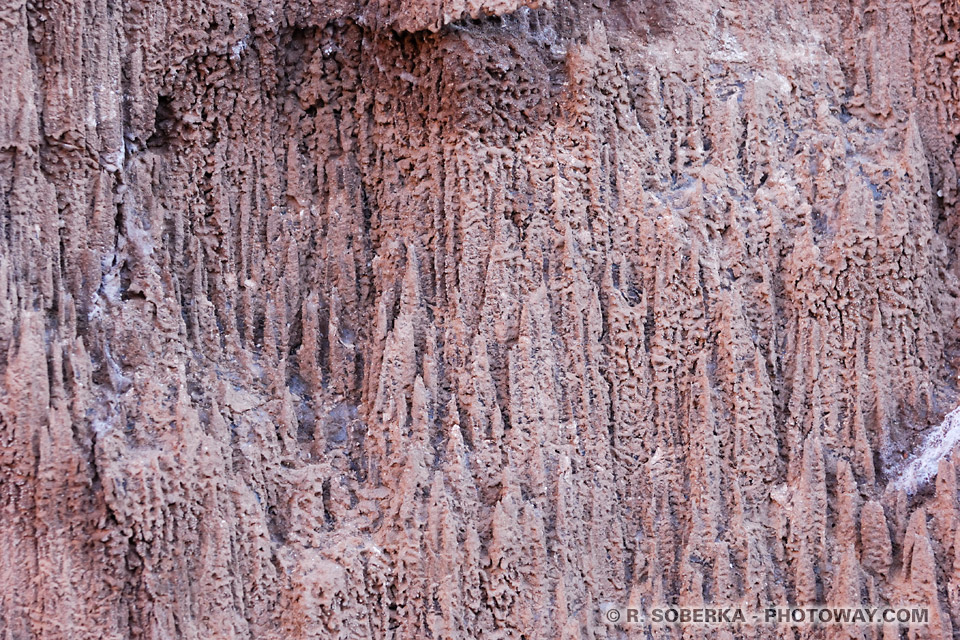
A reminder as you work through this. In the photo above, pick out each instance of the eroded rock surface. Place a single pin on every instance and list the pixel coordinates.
(459, 318)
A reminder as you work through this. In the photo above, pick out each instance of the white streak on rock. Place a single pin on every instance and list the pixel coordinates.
(938, 444)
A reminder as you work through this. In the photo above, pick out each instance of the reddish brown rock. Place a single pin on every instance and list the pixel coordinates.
(472, 319)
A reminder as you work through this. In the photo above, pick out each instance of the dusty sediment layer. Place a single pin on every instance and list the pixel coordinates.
(469, 319)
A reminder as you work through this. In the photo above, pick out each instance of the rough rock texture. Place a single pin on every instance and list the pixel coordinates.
(448, 319)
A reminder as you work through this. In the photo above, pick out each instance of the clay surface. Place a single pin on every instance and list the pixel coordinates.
(472, 318)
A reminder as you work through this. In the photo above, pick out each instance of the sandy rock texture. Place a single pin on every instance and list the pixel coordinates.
(470, 318)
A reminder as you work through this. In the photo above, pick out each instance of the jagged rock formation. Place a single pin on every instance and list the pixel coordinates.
(410, 320)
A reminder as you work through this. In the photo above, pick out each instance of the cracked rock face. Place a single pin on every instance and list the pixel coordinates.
(450, 319)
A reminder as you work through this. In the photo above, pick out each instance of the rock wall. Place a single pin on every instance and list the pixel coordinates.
(460, 319)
